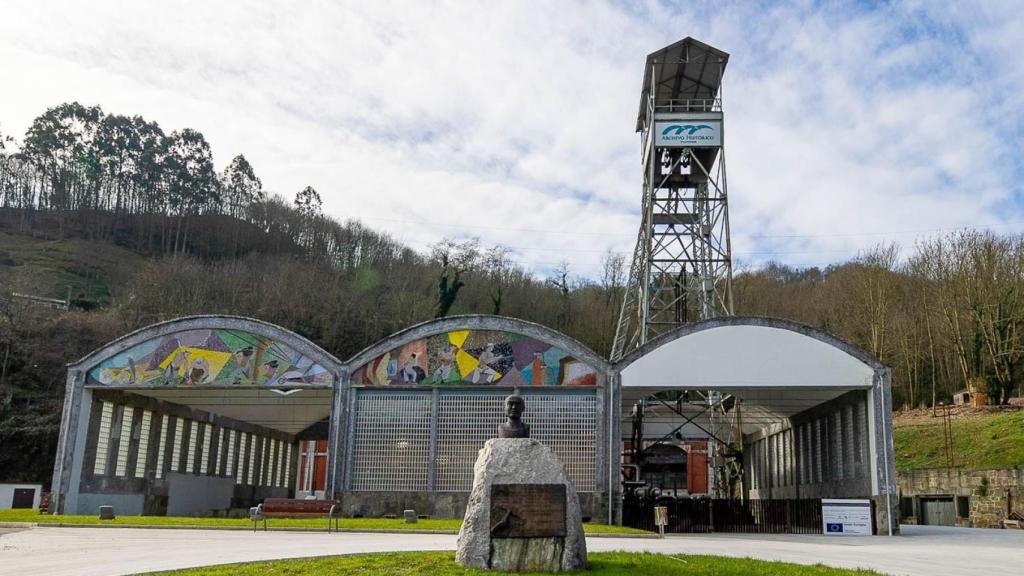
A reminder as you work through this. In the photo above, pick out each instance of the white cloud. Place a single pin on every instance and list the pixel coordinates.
(515, 118)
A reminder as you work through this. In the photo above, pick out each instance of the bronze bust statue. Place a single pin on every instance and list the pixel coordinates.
(514, 427)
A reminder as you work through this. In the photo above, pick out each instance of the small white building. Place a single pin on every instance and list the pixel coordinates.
(20, 496)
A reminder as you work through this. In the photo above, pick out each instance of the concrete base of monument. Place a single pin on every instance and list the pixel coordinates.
(523, 513)
(527, 554)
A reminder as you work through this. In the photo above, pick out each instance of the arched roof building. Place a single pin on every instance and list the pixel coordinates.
(232, 401)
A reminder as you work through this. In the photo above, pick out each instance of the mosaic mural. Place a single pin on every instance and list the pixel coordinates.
(476, 357)
(210, 358)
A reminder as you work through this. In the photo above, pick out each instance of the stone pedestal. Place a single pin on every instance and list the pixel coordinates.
(537, 542)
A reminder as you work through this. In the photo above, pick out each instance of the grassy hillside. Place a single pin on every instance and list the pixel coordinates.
(980, 440)
(47, 267)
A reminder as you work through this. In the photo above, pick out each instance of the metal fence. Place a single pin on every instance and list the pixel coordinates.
(399, 443)
(392, 442)
(698, 515)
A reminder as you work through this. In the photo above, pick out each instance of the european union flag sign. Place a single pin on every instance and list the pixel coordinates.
(846, 517)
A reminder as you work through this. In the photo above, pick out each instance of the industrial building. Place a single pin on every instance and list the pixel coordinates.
(732, 423)
(209, 414)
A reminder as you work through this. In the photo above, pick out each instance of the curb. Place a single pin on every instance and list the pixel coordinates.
(277, 529)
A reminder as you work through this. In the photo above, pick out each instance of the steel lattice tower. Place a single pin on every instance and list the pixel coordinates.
(682, 263)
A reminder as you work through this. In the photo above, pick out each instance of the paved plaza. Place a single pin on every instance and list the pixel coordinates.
(922, 550)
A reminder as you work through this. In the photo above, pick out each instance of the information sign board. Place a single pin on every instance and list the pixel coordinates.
(846, 517)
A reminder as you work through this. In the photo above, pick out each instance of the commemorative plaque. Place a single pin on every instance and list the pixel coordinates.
(527, 510)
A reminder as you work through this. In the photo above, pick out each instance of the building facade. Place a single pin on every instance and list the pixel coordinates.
(237, 410)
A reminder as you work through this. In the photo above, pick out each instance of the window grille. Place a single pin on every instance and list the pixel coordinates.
(465, 422)
(252, 459)
(280, 464)
(140, 461)
(191, 454)
(243, 447)
(179, 434)
(264, 461)
(230, 470)
(204, 456)
(568, 424)
(103, 439)
(160, 442)
(287, 466)
(392, 436)
(275, 459)
(818, 463)
(392, 441)
(838, 431)
(124, 441)
(790, 457)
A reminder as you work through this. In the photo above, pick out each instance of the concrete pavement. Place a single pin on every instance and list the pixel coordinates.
(921, 551)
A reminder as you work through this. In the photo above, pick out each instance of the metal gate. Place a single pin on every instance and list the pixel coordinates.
(698, 515)
(938, 511)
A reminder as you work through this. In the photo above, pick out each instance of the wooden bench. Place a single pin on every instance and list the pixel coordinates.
(294, 508)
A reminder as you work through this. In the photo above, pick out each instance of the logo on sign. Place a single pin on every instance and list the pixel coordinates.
(834, 528)
(687, 134)
(679, 129)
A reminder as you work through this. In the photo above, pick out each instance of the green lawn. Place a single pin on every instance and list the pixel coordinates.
(443, 564)
(989, 441)
(445, 525)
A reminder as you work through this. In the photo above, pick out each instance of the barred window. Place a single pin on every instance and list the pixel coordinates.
(103, 439)
(230, 460)
(140, 460)
(252, 460)
(161, 442)
(179, 436)
(392, 444)
(287, 481)
(193, 430)
(204, 454)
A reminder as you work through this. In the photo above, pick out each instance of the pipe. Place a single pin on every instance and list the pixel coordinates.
(611, 440)
(886, 441)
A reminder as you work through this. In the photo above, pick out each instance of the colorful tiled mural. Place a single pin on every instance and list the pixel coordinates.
(209, 358)
(477, 357)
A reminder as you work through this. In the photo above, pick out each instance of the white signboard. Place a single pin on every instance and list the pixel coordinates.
(690, 133)
(846, 517)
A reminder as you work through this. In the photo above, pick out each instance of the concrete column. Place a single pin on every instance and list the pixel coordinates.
(614, 415)
(336, 436)
(883, 464)
(67, 468)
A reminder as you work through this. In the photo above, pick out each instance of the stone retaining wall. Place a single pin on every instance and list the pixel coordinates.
(993, 492)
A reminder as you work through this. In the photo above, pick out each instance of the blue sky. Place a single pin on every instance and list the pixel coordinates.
(847, 125)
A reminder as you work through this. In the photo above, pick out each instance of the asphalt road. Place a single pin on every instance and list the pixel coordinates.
(921, 550)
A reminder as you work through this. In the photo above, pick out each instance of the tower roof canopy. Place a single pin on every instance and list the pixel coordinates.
(686, 70)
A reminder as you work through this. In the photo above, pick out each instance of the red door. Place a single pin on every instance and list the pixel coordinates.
(315, 461)
(697, 468)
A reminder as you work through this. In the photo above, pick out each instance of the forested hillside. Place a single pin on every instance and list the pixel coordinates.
(143, 227)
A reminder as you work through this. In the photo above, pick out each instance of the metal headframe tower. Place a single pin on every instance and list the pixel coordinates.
(682, 264)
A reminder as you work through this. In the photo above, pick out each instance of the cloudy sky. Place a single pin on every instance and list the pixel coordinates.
(847, 125)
